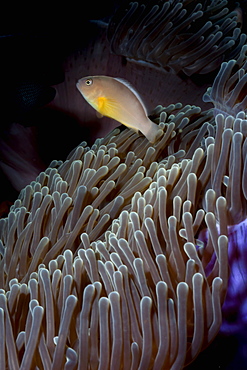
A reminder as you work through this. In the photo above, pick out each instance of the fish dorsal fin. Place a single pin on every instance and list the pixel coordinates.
(127, 84)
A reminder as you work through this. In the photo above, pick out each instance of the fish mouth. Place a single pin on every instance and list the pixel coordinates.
(78, 84)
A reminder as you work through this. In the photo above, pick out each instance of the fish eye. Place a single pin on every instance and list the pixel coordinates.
(89, 82)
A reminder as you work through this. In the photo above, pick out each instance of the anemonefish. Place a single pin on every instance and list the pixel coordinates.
(115, 98)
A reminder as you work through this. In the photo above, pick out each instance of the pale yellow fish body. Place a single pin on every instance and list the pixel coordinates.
(115, 98)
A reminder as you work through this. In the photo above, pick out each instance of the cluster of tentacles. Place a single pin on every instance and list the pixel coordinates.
(178, 35)
(101, 255)
(120, 257)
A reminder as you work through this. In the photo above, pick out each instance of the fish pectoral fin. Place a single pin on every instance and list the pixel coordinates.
(108, 107)
(101, 103)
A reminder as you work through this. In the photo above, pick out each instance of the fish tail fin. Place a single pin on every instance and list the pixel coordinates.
(152, 131)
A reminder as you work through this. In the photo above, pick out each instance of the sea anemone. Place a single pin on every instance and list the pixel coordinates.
(129, 255)
(228, 92)
(107, 253)
(179, 36)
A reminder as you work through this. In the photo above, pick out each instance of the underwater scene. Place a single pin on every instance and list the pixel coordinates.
(123, 205)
